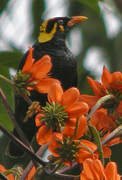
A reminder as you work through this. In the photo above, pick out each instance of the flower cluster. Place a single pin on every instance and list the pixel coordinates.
(66, 125)
(76, 126)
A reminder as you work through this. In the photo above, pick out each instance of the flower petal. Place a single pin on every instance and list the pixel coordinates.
(44, 84)
(101, 120)
(117, 76)
(106, 77)
(82, 125)
(106, 152)
(69, 128)
(55, 93)
(97, 87)
(54, 143)
(38, 119)
(111, 171)
(70, 96)
(43, 135)
(29, 61)
(89, 99)
(41, 67)
(77, 109)
(84, 153)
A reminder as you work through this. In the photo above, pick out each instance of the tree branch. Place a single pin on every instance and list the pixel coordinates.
(12, 117)
(30, 165)
(20, 143)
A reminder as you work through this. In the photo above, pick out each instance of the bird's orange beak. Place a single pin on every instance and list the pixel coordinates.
(76, 19)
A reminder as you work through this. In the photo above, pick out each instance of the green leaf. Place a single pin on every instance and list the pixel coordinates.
(3, 4)
(90, 3)
(38, 8)
(4, 118)
(10, 59)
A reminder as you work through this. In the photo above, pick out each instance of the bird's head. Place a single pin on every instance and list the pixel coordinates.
(57, 27)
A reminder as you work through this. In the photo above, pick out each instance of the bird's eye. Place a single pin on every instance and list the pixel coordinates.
(60, 21)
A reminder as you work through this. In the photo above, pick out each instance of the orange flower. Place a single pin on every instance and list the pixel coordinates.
(102, 121)
(70, 127)
(93, 169)
(38, 71)
(69, 99)
(3, 170)
(59, 112)
(111, 83)
(63, 148)
(86, 150)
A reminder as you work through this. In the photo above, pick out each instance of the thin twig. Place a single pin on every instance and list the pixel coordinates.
(11, 115)
(60, 173)
(30, 165)
(67, 176)
(25, 148)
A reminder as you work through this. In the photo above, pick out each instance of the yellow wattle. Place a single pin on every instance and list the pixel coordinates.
(44, 37)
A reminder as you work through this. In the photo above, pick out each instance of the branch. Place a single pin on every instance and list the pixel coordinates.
(25, 148)
(12, 117)
(30, 165)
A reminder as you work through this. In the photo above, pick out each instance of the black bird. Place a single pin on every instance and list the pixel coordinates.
(51, 41)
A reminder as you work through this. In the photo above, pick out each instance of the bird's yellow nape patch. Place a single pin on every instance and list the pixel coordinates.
(61, 28)
(44, 36)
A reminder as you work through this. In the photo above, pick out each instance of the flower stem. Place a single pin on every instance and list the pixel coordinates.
(7, 80)
(25, 148)
(100, 102)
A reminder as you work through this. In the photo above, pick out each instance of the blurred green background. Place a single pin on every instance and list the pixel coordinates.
(95, 43)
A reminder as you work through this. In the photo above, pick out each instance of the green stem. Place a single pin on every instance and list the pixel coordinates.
(99, 103)
(7, 80)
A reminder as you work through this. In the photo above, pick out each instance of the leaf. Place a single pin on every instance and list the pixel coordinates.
(10, 59)
(90, 3)
(4, 118)
(3, 5)
(38, 8)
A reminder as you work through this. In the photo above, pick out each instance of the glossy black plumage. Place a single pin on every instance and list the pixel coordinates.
(64, 68)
